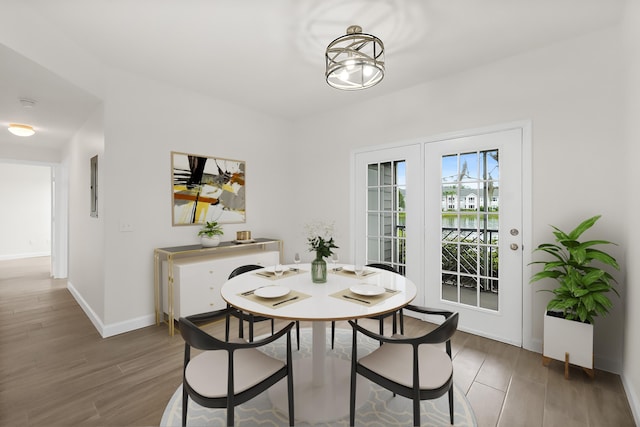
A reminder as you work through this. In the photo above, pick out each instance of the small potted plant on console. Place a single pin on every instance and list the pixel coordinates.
(210, 234)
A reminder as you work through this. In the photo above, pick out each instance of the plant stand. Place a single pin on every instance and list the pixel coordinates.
(569, 341)
(590, 372)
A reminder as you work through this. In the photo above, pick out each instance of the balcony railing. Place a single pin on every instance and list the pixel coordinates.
(471, 255)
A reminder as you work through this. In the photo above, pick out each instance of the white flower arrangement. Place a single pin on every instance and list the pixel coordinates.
(320, 238)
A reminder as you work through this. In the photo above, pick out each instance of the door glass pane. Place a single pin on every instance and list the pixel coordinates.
(372, 175)
(450, 169)
(468, 259)
(449, 287)
(387, 173)
(373, 225)
(373, 248)
(386, 214)
(468, 167)
(469, 290)
(372, 199)
(469, 228)
(489, 165)
(388, 221)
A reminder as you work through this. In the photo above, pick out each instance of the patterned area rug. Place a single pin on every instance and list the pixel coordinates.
(381, 409)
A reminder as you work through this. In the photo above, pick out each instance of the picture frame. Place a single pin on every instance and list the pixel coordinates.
(206, 188)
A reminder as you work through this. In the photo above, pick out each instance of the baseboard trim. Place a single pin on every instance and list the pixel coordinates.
(606, 364)
(128, 325)
(25, 255)
(93, 317)
(489, 336)
(632, 397)
(110, 330)
(535, 345)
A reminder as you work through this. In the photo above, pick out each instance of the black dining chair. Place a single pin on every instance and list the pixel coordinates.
(227, 374)
(409, 366)
(249, 317)
(381, 317)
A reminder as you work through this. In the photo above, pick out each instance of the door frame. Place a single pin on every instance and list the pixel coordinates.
(528, 342)
(58, 188)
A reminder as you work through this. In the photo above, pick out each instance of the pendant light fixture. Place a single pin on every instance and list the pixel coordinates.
(354, 61)
(21, 130)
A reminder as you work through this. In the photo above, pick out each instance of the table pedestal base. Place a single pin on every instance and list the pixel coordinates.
(324, 402)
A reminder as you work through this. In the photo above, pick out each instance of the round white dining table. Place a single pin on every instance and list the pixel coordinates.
(321, 383)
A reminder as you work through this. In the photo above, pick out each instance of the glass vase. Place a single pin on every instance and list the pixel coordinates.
(319, 270)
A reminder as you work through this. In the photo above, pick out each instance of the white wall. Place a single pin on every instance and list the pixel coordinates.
(86, 233)
(144, 122)
(571, 91)
(631, 368)
(25, 216)
(24, 153)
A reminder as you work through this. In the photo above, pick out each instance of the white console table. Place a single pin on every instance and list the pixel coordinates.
(187, 279)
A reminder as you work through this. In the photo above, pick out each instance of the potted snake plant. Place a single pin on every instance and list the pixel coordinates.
(580, 296)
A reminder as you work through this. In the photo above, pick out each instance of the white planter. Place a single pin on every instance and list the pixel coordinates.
(568, 341)
(210, 242)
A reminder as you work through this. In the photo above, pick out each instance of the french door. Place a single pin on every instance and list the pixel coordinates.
(449, 214)
(473, 231)
(387, 195)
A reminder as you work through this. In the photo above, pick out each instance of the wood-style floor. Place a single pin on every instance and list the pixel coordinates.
(56, 370)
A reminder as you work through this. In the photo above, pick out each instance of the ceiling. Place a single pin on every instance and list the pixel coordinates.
(268, 55)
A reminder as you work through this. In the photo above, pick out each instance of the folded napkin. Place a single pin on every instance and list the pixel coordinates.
(341, 271)
(272, 276)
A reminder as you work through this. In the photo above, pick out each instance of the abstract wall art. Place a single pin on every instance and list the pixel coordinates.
(207, 189)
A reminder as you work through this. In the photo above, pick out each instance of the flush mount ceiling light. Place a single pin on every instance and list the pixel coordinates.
(21, 130)
(354, 61)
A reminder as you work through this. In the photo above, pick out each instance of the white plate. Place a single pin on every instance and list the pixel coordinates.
(367, 290)
(246, 241)
(272, 291)
(272, 269)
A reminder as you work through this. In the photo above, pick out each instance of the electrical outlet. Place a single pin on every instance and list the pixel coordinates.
(126, 227)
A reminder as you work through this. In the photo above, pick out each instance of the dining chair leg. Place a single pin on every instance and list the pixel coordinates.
(272, 327)
(250, 327)
(395, 324)
(240, 327)
(290, 380)
(451, 404)
(401, 321)
(352, 389)
(381, 327)
(416, 412)
(230, 416)
(227, 320)
(185, 404)
(298, 334)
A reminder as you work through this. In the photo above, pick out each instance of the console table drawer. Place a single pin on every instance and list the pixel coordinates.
(197, 283)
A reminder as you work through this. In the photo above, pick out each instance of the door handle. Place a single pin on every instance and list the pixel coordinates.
(514, 246)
